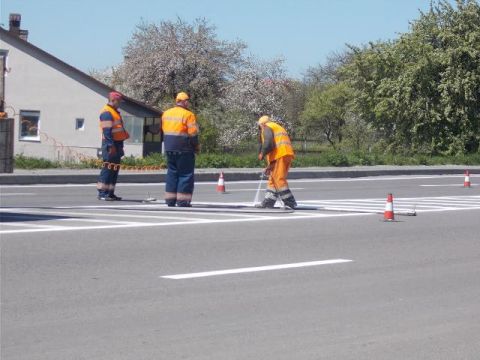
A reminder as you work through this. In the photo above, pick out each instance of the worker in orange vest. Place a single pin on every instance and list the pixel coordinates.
(180, 138)
(276, 148)
(3, 113)
(113, 136)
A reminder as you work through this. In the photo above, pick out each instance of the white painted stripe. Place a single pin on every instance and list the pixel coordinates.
(25, 224)
(47, 186)
(235, 190)
(183, 223)
(16, 194)
(103, 221)
(105, 215)
(447, 209)
(255, 269)
(444, 185)
(369, 178)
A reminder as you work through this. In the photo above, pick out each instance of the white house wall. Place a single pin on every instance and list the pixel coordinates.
(33, 84)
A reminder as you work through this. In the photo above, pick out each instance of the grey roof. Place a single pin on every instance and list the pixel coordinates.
(73, 72)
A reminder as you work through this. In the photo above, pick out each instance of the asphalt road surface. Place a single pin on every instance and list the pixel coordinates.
(85, 279)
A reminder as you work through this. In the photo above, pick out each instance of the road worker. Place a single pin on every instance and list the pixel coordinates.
(276, 149)
(3, 113)
(113, 136)
(180, 138)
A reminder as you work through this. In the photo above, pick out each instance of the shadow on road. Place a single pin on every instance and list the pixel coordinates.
(18, 217)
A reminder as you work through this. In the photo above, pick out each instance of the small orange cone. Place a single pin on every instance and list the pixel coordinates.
(388, 214)
(466, 182)
(221, 183)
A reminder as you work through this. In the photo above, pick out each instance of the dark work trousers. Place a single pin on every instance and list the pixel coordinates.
(180, 178)
(109, 173)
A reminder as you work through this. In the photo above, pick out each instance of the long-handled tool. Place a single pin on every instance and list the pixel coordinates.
(255, 201)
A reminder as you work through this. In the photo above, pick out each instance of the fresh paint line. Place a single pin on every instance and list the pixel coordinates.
(30, 225)
(76, 214)
(239, 190)
(255, 269)
(444, 185)
(320, 180)
(183, 223)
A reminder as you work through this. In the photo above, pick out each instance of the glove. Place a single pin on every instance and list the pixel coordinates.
(268, 169)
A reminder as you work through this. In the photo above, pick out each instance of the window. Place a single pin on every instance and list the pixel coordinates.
(29, 125)
(155, 124)
(134, 126)
(79, 124)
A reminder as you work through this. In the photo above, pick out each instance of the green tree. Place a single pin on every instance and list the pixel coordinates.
(421, 91)
(326, 112)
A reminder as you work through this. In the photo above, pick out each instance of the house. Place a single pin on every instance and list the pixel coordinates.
(56, 106)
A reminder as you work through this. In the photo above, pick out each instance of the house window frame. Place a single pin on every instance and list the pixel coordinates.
(79, 128)
(134, 126)
(35, 138)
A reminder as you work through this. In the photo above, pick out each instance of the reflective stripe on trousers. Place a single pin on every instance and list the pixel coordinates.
(108, 176)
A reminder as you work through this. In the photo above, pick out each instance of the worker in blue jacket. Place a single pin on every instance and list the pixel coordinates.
(113, 136)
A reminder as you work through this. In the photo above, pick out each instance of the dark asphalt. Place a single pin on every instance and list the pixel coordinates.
(411, 291)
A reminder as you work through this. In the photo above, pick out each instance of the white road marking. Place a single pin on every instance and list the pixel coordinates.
(25, 224)
(100, 221)
(420, 204)
(442, 185)
(16, 194)
(255, 269)
(183, 223)
(47, 186)
(74, 213)
(234, 190)
(115, 219)
(209, 183)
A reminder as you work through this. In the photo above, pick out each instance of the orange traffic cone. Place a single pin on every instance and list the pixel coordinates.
(388, 214)
(221, 183)
(466, 182)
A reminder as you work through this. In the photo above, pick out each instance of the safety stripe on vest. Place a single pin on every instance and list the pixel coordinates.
(174, 119)
(175, 133)
(106, 124)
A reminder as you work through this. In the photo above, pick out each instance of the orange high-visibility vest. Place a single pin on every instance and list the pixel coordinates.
(282, 146)
(179, 125)
(118, 130)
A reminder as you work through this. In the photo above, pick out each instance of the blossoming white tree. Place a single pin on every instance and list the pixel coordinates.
(161, 60)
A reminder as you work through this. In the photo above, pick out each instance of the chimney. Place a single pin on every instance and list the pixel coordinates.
(14, 26)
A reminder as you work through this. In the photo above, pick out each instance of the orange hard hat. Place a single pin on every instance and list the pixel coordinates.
(263, 120)
(181, 96)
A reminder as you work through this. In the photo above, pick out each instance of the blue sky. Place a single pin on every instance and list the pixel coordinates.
(90, 34)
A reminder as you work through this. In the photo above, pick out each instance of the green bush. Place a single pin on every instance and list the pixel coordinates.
(228, 160)
(327, 157)
(154, 159)
(24, 162)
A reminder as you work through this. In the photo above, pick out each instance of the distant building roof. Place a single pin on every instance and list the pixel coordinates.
(14, 39)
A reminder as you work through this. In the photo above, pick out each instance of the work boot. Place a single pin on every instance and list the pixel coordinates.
(115, 197)
(291, 203)
(266, 204)
(288, 199)
(170, 202)
(105, 198)
(183, 203)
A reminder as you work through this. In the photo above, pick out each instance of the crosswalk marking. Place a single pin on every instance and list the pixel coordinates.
(28, 220)
(420, 204)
